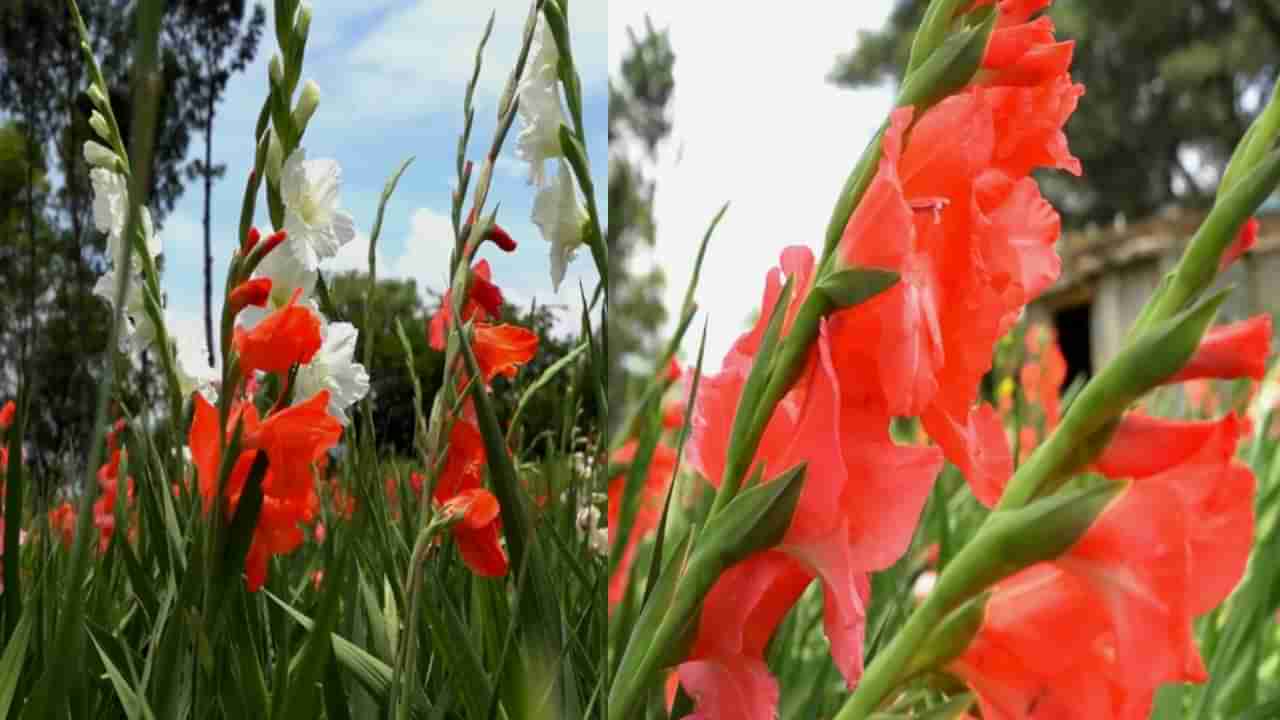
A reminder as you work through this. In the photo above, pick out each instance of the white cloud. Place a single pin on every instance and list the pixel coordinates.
(755, 124)
(355, 256)
(420, 58)
(426, 251)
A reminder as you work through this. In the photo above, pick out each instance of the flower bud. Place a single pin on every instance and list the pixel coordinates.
(96, 96)
(99, 155)
(99, 125)
(302, 24)
(251, 292)
(273, 241)
(275, 71)
(306, 107)
(250, 240)
(275, 158)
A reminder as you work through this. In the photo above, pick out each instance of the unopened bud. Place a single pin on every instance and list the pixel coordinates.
(99, 155)
(99, 125)
(275, 71)
(500, 238)
(96, 96)
(250, 240)
(251, 292)
(275, 158)
(302, 25)
(308, 101)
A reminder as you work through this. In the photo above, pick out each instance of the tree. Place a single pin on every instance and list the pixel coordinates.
(206, 31)
(51, 253)
(1171, 88)
(638, 123)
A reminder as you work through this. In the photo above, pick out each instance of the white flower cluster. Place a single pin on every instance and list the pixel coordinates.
(316, 230)
(110, 213)
(557, 211)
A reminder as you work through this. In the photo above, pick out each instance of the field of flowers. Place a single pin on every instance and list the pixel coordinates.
(888, 502)
(241, 548)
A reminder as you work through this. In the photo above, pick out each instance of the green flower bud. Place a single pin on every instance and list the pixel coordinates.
(99, 125)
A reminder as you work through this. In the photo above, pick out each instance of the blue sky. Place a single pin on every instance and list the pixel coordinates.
(392, 75)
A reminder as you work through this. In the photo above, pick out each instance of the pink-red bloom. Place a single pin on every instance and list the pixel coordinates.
(484, 302)
(1095, 632)
(6, 415)
(1227, 352)
(458, 490)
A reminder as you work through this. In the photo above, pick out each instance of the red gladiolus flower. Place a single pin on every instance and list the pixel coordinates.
(458, 490)
(6, 415)
(62, 520)
(464, 462)
(1095, 632)
(1245, 240)
(484, 302)
(648, 508)
(502, 349)
(1231, 351)
(288, 336)
(416, 481)
(971, 238)
(477, 532)
(294, 440)
(860, 502)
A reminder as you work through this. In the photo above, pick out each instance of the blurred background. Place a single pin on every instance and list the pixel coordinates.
(769, 106)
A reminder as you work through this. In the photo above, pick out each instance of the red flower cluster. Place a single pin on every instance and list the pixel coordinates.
(104, 508)
(971, 238)
(294, 439)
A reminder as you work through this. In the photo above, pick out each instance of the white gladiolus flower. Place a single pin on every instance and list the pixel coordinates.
(316, 227)
(111, 212)
(193, 369)
(333, 369)
(540, 107)
(560, 217)
(99, 155)
(138, 332)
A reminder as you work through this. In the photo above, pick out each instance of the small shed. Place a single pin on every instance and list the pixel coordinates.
(1108, 274)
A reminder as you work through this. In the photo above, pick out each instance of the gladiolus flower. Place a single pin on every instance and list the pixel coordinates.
(476, 532)
(859, 505)
(334, 369)
(1231, 351)
(6, 414)
(294, 440)
(316, 228)
(1095, 632)
(502, 349)
(540, 108)
(458, 491)
(288, 336)
(484, 302)
(561, 218)
(62, 520)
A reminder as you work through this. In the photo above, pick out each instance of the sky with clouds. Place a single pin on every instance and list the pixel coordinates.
(392, 75)
(755, 124)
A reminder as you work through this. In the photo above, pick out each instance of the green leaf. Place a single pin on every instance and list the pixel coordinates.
(854, 286)
(13, 662)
